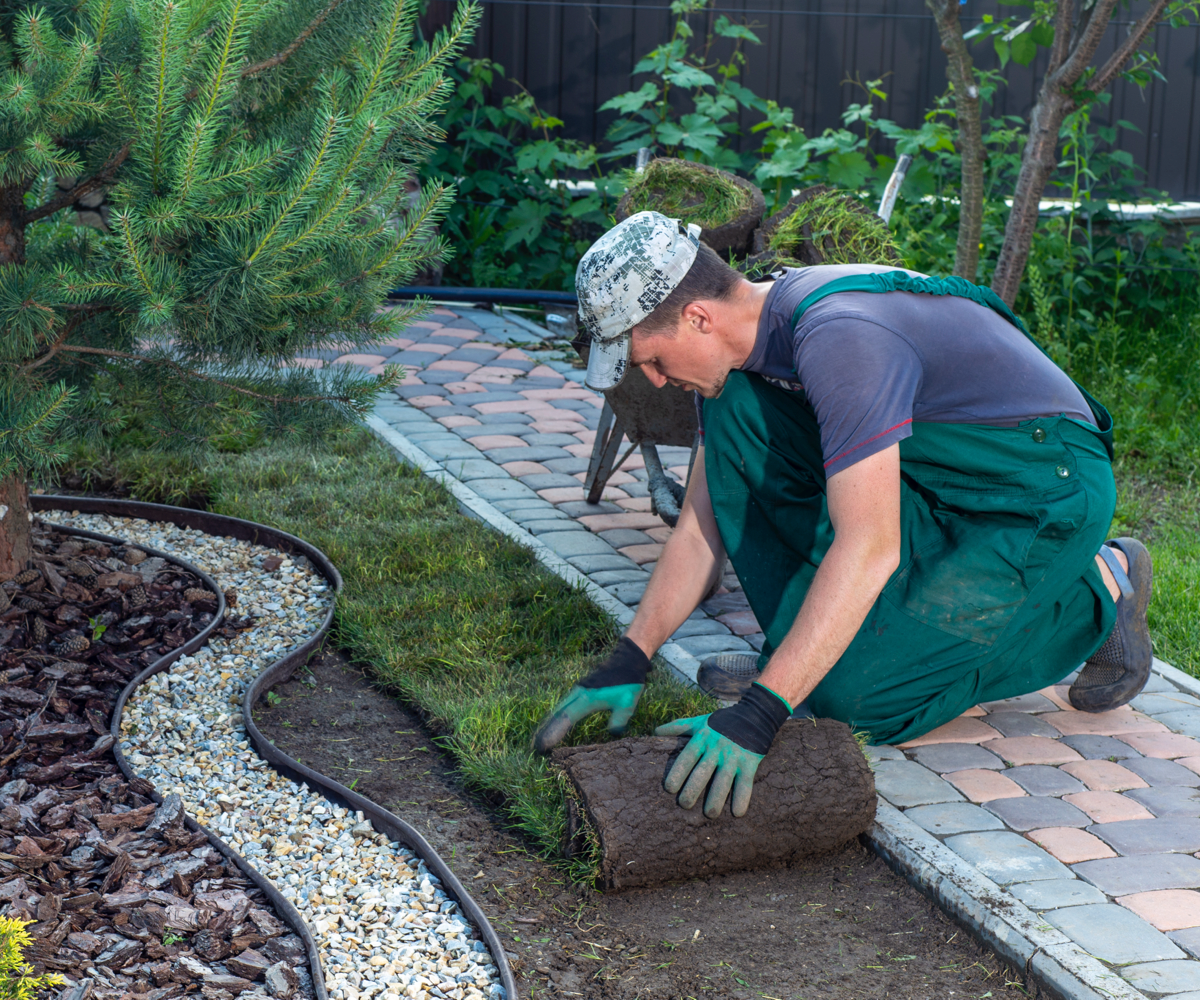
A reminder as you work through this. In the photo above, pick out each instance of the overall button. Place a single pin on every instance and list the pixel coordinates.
(1039, 435)
(1062, 471)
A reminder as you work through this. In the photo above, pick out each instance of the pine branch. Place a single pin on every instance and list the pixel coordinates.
(281, 57)
(104, 178)
(192, 373)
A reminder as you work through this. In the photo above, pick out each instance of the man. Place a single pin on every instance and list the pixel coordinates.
(914, 497)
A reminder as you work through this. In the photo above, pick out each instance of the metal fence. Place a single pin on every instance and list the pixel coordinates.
(573, 56)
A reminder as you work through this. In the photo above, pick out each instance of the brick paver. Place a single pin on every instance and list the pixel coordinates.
(1020, 788)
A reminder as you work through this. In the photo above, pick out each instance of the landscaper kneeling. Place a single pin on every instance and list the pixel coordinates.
(914, 497)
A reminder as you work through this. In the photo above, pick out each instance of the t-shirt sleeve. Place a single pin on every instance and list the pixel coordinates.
(862, 380)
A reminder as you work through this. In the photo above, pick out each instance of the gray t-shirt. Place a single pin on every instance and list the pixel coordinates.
(871, 363)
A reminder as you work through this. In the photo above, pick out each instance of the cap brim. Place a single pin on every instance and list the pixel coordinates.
(608, 364)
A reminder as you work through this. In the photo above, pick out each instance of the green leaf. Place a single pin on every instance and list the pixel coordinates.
(689, 77)
(1024, 48)
(727, 29)
(1043, 34)
(632, 100)
(848, 169)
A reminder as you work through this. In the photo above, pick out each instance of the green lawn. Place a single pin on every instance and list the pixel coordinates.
(446, 613)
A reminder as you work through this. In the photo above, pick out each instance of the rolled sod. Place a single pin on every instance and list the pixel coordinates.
(813, 791)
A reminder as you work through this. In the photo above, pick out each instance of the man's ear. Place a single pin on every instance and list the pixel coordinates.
(698, 316)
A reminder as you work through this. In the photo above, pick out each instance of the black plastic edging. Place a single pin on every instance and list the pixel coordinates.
(383, 820)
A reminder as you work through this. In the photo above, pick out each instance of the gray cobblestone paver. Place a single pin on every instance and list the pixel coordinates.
(1113, 934)
(527, 405)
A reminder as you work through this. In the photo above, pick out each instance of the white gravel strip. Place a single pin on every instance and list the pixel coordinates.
(382, 923)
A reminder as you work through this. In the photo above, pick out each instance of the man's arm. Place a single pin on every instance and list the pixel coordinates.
(690, 564)
(864, 508)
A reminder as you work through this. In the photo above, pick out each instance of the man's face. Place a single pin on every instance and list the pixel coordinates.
(686, 357)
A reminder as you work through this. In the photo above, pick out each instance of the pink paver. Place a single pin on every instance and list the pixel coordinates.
(458, 420)
(588, 437)
(516, 469)
(607, 522)
(975, 712)
(1163, 745)
(1103, 775)
(428, 324)
(579, 450)
(366, 360)
(454, 388)
(309, 363)
(449, 331)
(958, 730)
(1071, 846)
(642, 553)
(556, 393)
(639, 504)
(1191, 763)
(1108, 807)
(740, 622)
(659, 534)
(513, 354)
(410, 379)
(485, 377)
(1166, 909)
(498, 370)
(1032, 750)
(555, 426)
(401, 342)
(1057, 693)
(618, 478)
(486, 442)
(544, 371)
(442, 311)
(1115, 723)
(516, 406)
(421, 402)
(680, 470)
(563, 494)
(379, 370)
(452, 366)
(432, 348)
(982, 785)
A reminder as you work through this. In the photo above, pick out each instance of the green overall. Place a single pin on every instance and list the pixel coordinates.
(997, 593)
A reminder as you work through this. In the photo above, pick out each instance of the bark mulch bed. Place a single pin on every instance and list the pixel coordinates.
(841, 925)
(117, 888)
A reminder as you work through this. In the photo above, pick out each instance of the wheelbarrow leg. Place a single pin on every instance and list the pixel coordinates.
(609, 432)
(666, 495)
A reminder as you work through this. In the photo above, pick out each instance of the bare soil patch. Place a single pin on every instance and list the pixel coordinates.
(842, 925)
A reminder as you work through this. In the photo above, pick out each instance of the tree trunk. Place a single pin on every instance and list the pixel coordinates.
(813, 792)
(1038, 161)
(960, 71)
(16, 537)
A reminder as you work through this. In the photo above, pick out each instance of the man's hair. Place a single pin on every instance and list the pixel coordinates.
(709, 277)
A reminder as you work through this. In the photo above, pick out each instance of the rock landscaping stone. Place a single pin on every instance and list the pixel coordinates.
(1151, 836)
(1006, 857)
(1054, 894)
(1038, 779)
(1113, 934)
(364, 898)
(1036, 812)
(905, 783)
(946, 757)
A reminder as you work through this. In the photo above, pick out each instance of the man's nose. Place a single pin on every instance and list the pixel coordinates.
(657, 379)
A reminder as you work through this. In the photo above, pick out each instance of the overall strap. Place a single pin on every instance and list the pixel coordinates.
(902, 281)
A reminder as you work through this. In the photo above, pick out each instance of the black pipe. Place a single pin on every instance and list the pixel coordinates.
(501, 295)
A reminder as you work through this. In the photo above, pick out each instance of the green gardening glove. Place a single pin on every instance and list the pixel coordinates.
(729, 743)
(614, 686)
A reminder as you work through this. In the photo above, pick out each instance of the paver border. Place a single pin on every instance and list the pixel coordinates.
(1047, 957)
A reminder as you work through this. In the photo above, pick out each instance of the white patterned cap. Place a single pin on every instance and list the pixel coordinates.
(624, 276)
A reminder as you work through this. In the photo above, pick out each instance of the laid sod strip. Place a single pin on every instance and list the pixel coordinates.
(845, 233)
(449, 615)
(682, 191)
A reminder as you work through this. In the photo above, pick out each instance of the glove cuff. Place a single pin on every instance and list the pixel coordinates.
(626, 664)
(753, 722)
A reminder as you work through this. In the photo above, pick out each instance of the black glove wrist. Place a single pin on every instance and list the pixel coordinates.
(626, 664)
(753, 722)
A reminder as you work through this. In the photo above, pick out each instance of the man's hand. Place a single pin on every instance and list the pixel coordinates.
(614, 686)
(731, 742)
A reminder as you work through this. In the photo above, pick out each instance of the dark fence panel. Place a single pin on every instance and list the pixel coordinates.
(573, 56)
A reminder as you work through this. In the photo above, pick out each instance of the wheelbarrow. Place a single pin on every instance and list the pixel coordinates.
(647, 417)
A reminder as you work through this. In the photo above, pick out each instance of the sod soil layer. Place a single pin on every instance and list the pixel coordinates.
(840, 925)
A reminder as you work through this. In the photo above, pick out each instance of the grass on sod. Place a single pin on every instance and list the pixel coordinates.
(447, 614)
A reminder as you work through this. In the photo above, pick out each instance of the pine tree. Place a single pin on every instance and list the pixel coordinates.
(257, 158)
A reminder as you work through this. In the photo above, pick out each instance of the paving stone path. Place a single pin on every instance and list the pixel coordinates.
(1092, 821)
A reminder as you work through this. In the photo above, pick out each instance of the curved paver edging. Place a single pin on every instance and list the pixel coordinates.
(1020, 936)
(383, 820)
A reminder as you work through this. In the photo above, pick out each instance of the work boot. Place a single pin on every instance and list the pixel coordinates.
(728, 676)
(1116, 673)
